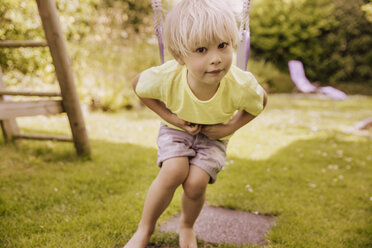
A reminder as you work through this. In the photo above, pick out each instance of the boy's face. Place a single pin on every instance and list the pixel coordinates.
(209, 64)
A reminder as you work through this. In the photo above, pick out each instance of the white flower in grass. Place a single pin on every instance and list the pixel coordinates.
(333, 167)
(312, 185)
(55, 189)
(341, 177)
(324, 170)
(340, 153)
(249, 188)
(370, 198)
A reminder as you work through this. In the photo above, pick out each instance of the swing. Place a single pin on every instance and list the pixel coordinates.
(243, 44)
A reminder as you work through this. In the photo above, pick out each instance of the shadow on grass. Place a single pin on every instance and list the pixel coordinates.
(318, 188)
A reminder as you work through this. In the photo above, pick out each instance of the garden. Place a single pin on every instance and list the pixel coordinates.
(304, 161)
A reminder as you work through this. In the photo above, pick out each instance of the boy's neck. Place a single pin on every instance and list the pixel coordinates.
(202, 91)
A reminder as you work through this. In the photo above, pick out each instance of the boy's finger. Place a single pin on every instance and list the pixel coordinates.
(199, 128)
(195, 129)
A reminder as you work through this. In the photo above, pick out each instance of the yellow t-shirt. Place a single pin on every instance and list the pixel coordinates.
(238, 90)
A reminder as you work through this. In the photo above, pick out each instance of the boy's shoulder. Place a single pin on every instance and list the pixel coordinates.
(155, 81)
(171, 66)
(240, 78)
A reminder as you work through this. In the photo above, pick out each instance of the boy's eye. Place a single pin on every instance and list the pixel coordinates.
(223, 45)
(201, 50)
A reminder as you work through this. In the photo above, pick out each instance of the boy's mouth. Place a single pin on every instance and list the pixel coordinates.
(215, 71)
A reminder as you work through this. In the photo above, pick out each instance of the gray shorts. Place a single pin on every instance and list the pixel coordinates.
(209, 155)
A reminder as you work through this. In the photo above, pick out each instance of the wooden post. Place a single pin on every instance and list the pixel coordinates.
(54, 36)
(9, 126)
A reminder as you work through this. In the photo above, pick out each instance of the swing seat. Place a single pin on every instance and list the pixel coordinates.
(297, 72)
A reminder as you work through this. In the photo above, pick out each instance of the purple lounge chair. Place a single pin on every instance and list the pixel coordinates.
(297, 72)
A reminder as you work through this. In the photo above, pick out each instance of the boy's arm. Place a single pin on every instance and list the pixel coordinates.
(240, 119)
(159, 108)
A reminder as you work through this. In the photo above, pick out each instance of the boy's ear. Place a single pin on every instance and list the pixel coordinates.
(179, 60)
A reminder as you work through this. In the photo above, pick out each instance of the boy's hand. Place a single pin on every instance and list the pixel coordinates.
(191, 128)
(219, 131)
(216, 131)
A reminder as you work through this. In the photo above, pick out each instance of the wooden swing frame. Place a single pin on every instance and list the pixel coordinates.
(67, 100)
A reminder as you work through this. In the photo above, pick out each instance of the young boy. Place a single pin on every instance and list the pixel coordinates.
(202, 100)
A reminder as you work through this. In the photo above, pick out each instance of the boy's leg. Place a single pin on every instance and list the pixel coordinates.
(192, 203)
(172, 174)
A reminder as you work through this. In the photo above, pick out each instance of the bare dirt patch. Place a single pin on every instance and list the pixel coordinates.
(219, 225)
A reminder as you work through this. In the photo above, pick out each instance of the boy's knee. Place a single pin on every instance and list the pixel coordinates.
(171, 182)
(194, 189)
(173, 172)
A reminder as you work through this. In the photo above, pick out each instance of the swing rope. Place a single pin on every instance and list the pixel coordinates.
(243, 44)
(244, 25)
(158, 24)
(245, 39)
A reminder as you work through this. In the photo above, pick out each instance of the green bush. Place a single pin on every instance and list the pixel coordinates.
(367, 8)
(80, 21)
(331, 37)
(105, 42)
(270, 77)
(18, 22)
(348, 53)
(104, 77)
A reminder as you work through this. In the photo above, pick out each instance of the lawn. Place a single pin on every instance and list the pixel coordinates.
(297, 161)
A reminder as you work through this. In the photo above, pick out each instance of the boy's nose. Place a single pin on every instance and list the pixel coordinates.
(215, 58)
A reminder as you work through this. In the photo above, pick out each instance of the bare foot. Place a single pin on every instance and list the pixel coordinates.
(138, 240)
(187, 238)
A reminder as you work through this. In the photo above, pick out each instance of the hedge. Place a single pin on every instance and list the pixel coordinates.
(333, 38)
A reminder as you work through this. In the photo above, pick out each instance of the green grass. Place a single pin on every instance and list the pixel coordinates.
(298, 158)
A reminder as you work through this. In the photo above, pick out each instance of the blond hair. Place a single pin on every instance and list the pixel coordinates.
(194, 23)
